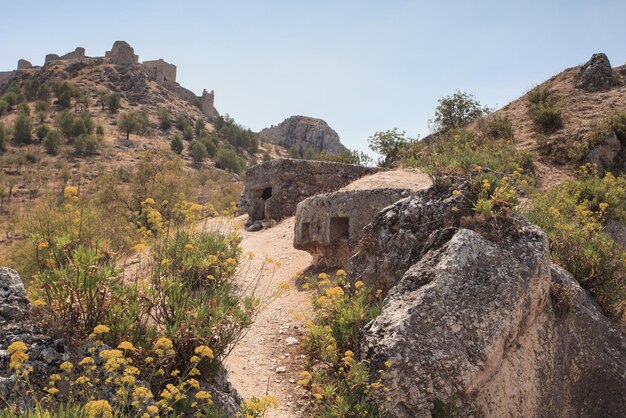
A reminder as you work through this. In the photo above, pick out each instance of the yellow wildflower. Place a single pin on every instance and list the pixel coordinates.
(99, 408)
(66, 366)
(125, 345)
(203, 395)
(204, 351)
(101, 329)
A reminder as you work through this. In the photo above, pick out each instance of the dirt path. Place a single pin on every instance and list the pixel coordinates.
(267, 360)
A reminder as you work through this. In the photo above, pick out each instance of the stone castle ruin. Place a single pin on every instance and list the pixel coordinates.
(122, 54)
(274, 189)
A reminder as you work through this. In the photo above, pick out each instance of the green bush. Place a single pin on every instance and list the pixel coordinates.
(545, 109)
(345, 157)
(86, 145)
(22, 129)
(616, 121)
(573, 215)
(228, 159)
(4, 107)
(457, 111)
(165, 119)
(114, 102)
(389, 144)
(497, 127)
(3, 137)
(42, 131)
(42, 106)
(198, 151)
(134, 122)
(236, 135)
(52, 142)
(211, 143)
(176, 144)
(340, 384)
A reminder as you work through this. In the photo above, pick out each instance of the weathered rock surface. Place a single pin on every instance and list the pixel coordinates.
(596, 74)
(490, 321)
(299, 132)
(273, 189)
(14, 304)
(122, 54)
(396, 237)
(604, 155)
(329, 225)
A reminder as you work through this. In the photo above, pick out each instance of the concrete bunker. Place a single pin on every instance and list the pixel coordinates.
(329, 225)
(274, 189)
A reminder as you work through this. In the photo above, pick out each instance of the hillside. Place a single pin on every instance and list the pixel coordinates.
(582, 110)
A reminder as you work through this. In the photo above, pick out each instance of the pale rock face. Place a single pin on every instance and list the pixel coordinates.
(298, 132)
(14, 303)
(488, 319)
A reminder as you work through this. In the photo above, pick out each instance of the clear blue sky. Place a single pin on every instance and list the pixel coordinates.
(360, 65)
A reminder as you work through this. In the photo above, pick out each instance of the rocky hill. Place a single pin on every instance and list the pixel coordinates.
(583, 97)
(302, 135)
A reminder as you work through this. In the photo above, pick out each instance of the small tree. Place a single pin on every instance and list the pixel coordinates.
(22, 130)
(133, 122)
(65, 122)
(114, 102)
(388, 144)
(198, 151)
(177, 144)
(42, 131)
(52, 142)
(165, 119)
(3, 137)
(457, 111)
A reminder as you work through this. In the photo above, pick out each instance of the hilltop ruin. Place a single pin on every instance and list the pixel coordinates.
(122, 54)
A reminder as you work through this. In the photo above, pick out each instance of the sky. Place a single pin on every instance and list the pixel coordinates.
(362, 66)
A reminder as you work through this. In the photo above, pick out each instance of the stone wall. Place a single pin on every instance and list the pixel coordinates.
(160, 71)
(76, 54)
(274, 189)
(329, 225)
(122, 54)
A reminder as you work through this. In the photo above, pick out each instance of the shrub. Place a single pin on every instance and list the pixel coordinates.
(389, 144)
(22, 129)
(86, 145)
(4, 107)
(544, 109)
(211, 143)
(114, 102)
(344, 157)
(42, 131)
(340, 384)
(236, 135)
(188, 133)
(177, 144)
(616, 121)
(228, 159)
(198, 151)
(42, 106)
(496, 127)
(573, 215)
(52, 142)
(99, 130)
(165, 119)
(3, 137)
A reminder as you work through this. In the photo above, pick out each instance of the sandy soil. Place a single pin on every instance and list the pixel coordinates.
(265, 362)
(402, 179)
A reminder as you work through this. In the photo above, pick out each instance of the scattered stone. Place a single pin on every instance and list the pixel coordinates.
(281, 369)
(603, 155)
(292, 341)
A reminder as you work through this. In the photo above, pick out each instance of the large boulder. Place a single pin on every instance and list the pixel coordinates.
(596, 74)
(302, 132)
(482, 318)
(604, 155)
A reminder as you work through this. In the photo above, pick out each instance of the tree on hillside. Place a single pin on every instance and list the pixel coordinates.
(22, 130)
(133, 122)
(457, 111)
(388, 144)
(3, 138)
(114, 102)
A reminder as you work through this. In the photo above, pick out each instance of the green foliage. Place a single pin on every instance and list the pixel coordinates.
(389, 144)
(86, 145)
(114, 102)
(616, 122)
(42, 131)
(496, 127)
(228, 159)
(463, 151)
(236, 135)
(573, 215)
(176, 144)
(4, 107)
(42, 106)
(64, 92)
(133, 122)
(267, 157)
(211, 143)
(13, 95)
(345, 157)
(52, 142)
(198, 151)
(340, 385)
(73, 126)
(188, 133)
(22, 129)
(3, 137)
(165, 119)
(545, 109)
(457, 111)
(447, 408)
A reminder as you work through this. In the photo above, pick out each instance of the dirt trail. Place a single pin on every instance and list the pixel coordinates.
(267, 360)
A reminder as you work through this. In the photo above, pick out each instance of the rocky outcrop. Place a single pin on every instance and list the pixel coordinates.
(604, 155)
(329, 225)
(596, 74)
(300, 133)
(273, 189)
(397, 236)
(14, 303)
(485, 318)
(23, 64)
